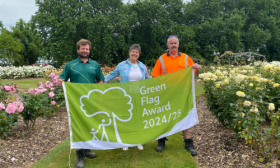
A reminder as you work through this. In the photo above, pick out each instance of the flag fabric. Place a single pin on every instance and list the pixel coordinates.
(117, 115)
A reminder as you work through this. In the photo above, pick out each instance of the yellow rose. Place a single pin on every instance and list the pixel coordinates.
(226, 81)
(275, 85)
(201, 75)
(240, 94)
(246, 103)
(254, 109)
(268, 67)
(271, 106)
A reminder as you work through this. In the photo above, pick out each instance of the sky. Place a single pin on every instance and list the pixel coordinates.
(13, 10)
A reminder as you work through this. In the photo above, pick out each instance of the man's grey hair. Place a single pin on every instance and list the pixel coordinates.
(169, 38)
(135, 47)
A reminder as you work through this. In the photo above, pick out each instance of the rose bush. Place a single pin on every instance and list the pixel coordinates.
(10, 109)
(245, 97)
(37, 102)
(42, 101)
(24, 71)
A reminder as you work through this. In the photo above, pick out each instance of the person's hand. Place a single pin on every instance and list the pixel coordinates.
(59, 82)
(195, 66)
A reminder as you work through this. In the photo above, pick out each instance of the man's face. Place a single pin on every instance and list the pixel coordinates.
(84, 51)
(173, 44)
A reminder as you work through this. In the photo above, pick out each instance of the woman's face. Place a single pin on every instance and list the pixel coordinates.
(133, 55)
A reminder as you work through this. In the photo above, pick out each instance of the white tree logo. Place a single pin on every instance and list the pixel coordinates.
(114, 116)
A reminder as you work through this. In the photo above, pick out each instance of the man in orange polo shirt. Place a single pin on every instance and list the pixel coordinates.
(170, 62)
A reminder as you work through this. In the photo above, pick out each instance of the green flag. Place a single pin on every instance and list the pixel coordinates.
(117, 115)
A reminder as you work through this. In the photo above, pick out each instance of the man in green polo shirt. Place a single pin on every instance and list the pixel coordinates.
(82, 70)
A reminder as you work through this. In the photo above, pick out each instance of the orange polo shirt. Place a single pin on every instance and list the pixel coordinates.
(171, 64)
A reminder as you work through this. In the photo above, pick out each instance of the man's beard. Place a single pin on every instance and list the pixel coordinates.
(81, 56)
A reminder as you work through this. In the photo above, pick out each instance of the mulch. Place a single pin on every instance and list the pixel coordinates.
(29, 148)
(216, 145)
(219, 147)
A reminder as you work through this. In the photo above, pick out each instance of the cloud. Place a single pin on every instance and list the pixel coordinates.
(12, 11)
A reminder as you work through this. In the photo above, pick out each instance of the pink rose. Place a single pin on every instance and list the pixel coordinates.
(53, 102)
(19, 106)
(15, 95)
(52, 75)
(51, 94)
(11, 108)
(35, 92)
(30, 91)
(49, 84)
(2, 106)
(39, 90)
(41, 87)
(39, 83)
(7, 88)
(7, 100)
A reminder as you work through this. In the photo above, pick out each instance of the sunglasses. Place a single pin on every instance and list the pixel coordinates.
(173, 36)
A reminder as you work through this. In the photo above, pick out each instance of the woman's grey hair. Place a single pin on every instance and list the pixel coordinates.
(136, 47)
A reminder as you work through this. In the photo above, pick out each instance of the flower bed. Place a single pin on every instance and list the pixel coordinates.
(37, 102)
(247, 99)
(24, 71)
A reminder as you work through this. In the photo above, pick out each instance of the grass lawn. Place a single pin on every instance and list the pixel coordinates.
(174, 154)
(24, 84)
(199, 90)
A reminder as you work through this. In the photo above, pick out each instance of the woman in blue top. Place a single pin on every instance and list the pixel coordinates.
(130, 70)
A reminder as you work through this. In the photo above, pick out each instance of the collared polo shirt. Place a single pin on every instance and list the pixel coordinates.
(80, 72)
(171, 64)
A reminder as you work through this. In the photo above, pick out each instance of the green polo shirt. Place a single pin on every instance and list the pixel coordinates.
(80, 72)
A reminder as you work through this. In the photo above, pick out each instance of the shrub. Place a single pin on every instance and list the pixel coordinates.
(38, 102)
(244, 98)
(10, 108)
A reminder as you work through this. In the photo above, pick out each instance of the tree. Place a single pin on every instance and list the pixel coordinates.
(204, 27)
(243, 25)
(30, 41)
(1, 25)
(10, 48)
(63, 23)
(155, 22)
